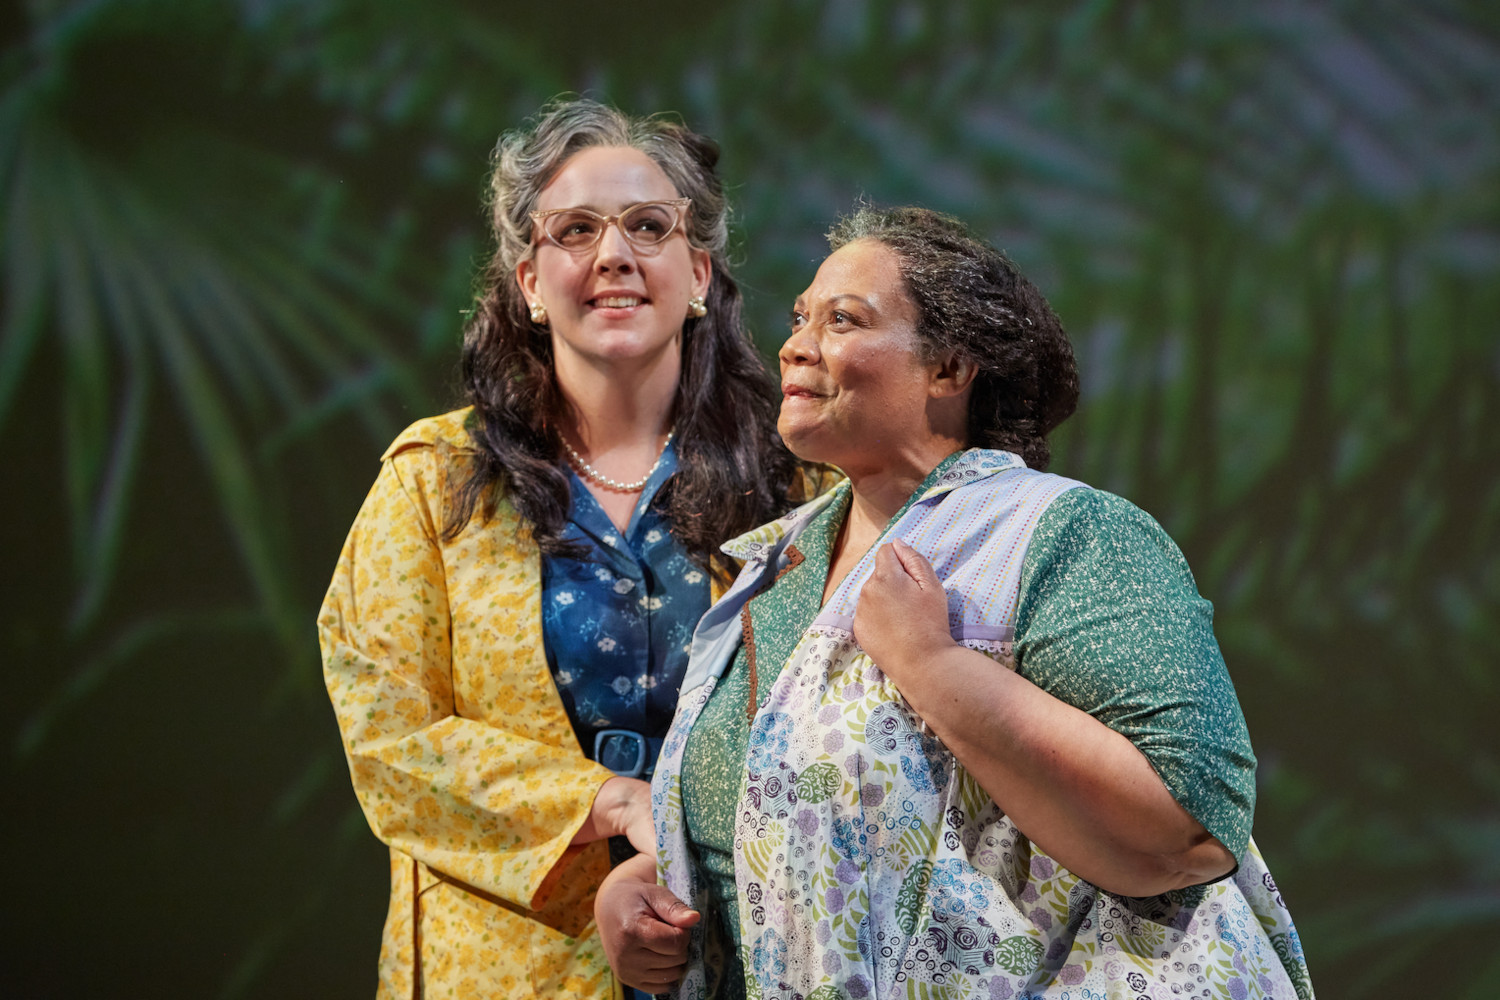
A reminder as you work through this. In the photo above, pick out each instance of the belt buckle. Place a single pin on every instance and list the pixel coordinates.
(635, 770)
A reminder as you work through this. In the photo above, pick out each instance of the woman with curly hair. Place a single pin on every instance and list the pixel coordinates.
(960, 727)
(508, 624)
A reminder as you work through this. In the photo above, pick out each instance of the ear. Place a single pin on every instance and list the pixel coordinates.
(703, 270)
(951, 375)
(526, 278)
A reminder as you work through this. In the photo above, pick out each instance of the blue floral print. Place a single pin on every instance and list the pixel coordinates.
(617, 621)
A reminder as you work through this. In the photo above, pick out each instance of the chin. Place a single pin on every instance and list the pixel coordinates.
(626, 345)
(803, 443)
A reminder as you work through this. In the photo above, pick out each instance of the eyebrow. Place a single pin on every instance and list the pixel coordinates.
(592, 207)
(832, 300)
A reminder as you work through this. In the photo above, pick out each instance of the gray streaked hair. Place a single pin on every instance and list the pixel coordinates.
(526, 159)
(973, 300)
(733, 472)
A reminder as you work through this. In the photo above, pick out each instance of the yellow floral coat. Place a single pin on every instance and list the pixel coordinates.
(462, 755)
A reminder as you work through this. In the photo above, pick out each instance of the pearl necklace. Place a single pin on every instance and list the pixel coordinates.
(589, 472)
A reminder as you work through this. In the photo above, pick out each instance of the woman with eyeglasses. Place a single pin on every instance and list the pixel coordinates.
(509, 621)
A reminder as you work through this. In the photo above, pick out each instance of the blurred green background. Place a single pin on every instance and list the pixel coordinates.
(239, 238)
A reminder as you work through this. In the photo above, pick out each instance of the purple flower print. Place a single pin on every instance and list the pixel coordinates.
(807, 822)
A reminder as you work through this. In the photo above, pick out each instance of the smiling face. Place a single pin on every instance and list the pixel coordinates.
(855, 389)
(616, 302)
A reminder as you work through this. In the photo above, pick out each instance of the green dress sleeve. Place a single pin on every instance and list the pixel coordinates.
(1109, 620)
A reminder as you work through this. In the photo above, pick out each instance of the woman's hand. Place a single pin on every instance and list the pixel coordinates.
(622, 806)
(1077, 788)
(644, 928)
(902, 616)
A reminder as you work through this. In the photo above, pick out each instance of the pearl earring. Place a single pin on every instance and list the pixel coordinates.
(538, 314)
(696, 307)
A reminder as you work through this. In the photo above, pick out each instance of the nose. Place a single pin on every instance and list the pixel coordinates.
(800, 348)
(614, 252)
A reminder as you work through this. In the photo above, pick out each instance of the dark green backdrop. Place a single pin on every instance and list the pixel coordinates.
(238, 239)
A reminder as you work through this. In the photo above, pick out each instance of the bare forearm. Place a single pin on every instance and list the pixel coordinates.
(639, 868)
(642, 926)
(622, 806)
(1077, 788)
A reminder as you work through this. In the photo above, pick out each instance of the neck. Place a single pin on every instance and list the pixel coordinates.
(880, 491)
(619, 407)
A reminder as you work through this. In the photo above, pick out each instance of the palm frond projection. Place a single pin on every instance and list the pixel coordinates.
(237, 240)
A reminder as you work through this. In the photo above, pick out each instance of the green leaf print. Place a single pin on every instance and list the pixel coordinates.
(758, 852)
(827, 991)
(1284, 951)
(818, 782)
(972, 797)
(846, 929)
(1141, 938)
(674, 803)
(856, 714)
(919, 841)
(913, 895)
(957, 987)
(1019, 955)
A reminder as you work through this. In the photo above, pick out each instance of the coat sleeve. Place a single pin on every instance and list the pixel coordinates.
(483, 802)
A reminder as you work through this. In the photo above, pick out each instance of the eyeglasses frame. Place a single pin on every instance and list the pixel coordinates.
(607, 220)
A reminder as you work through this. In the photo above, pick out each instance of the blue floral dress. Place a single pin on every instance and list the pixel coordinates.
(617, 624)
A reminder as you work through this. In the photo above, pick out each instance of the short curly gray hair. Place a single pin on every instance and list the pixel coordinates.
(971, 299)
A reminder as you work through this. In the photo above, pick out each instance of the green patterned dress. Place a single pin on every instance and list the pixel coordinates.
(842, 852)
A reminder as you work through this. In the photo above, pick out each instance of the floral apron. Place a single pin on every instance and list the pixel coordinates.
(870, 864)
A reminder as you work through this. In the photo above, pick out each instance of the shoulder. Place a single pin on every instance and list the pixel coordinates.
(448, 432)
(430, 461)
(1090, 517)
(1090, 541)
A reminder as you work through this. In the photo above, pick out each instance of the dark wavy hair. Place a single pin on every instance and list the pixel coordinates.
(972, 299)
(733, 471)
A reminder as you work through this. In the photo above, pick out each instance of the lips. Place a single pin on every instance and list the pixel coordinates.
(790, 391)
